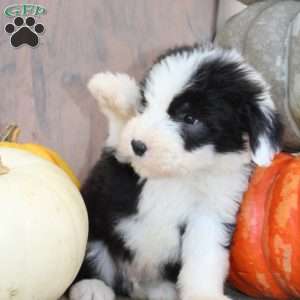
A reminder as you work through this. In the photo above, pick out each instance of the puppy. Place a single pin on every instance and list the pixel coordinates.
(163, 198)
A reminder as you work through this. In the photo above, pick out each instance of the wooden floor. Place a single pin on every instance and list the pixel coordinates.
(44, 89)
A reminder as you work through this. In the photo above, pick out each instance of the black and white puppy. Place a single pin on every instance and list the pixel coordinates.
(162, 200)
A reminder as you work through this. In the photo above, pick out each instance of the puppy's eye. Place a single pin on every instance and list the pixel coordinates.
(189, 119)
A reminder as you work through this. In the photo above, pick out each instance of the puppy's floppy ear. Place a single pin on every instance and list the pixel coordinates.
(265, 128)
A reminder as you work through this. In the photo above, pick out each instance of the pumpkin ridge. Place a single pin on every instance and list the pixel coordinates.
(250, 263)
(287, 238)
(265, 232)
(242, 285)
(265, 227)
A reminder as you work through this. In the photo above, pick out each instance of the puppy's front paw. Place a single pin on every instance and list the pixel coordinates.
(92, 289)
(117, 93)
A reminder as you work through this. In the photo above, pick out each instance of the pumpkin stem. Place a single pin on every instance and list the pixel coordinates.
(3, 169)
(10, 134)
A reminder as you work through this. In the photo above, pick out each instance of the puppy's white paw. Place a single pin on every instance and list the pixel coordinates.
(91, 289)
(117, 93)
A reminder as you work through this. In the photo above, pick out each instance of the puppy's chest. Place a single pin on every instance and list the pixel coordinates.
(154, 234)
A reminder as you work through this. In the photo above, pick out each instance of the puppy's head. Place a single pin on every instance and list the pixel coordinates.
(201, 108)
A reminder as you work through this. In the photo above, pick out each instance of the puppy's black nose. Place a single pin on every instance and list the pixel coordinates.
(139, 148)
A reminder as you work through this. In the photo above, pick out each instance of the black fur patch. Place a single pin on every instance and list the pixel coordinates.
(111, 193)
(225, 102)
(182, 229)
(171, 271)
(142, 102)
(86, 272)
(123, 287)
(229, 228)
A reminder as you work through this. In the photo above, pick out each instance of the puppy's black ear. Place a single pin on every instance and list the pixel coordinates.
(264, 128)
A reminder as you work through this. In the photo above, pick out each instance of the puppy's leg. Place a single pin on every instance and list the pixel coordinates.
(96, 276)
(117, 96)
(91, 289)
(205, 260)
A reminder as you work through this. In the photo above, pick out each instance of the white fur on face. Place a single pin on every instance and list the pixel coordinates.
(166, 155)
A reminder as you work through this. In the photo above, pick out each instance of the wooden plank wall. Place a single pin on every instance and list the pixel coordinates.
(44, 89)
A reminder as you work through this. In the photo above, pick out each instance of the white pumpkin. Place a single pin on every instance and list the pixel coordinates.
(43, 228)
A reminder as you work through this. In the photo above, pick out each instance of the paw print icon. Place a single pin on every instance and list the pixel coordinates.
(24, 32)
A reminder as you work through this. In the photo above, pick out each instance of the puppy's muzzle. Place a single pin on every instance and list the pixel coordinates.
(138, 147)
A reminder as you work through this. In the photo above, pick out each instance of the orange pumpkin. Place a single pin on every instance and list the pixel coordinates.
(265, 253)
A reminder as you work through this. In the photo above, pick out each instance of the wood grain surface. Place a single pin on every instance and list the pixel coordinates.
(44, 89)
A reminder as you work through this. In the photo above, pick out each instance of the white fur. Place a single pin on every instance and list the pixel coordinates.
(98, 255)
(91, 289)
(205, 259)
(200, 189)
(181, 67)
(265, 151)
(117, 96)
(264, 154)
(161, 291)
(196, 201)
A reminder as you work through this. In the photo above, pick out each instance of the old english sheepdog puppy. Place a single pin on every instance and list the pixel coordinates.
(163, 198)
